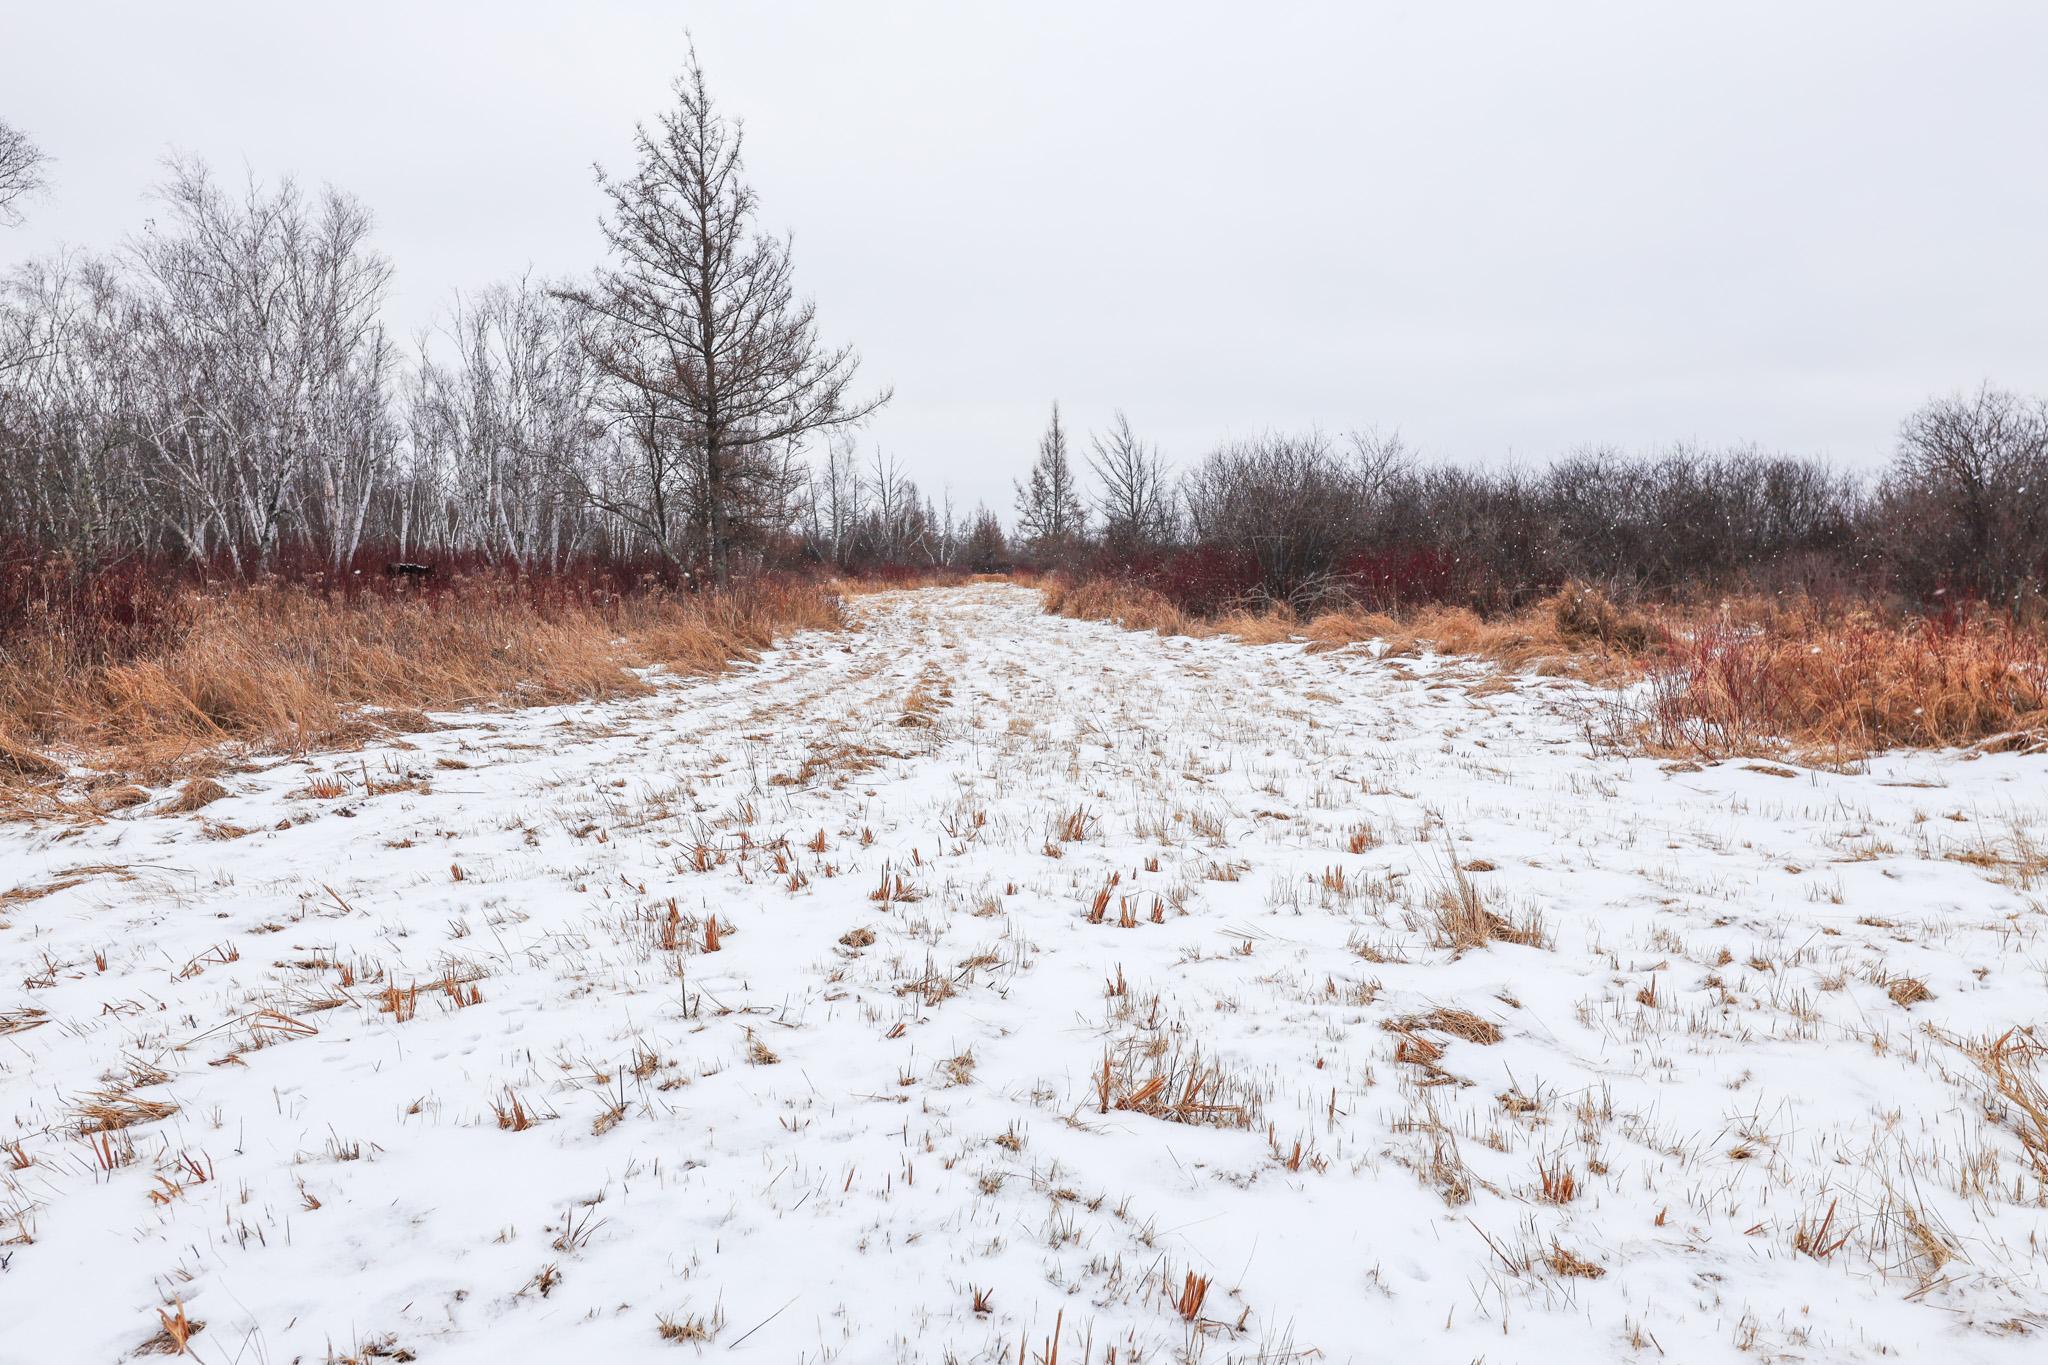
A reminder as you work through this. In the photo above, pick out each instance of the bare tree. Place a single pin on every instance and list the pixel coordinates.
(900, 527)
(697, 325)
(1377, 461)
(1135, 500)
(68, 475)
(1050, 513)
(945, 528)
(22, 171)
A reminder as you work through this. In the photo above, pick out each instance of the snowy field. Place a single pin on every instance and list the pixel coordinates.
(984, 986)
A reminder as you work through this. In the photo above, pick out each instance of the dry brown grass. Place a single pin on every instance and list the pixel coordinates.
(1349, 626)
(683, 1327)
(1193, 1293)
(1576, 630)
(196, 794)
(1746, 676)
(1174, 1083)
(1456, 1022)
(175, 1337)
(1460, 919)
(1130, 605)
(1845, 686)
(867, 584)
(18, 760)
(2012, 1064)
(110, 1111)
(1572, 1265)
(293, 669)
(1908, 991)
(1274, 625)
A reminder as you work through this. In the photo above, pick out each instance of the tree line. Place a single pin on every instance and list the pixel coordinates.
(223, 390)
(1961, 510)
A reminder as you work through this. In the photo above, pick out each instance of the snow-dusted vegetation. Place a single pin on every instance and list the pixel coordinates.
(978, 984)
(1337, 683)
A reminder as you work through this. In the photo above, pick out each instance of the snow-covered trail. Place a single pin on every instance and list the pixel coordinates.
(420, 1053)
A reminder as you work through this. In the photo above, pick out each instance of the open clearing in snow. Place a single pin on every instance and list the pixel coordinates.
(979, 980)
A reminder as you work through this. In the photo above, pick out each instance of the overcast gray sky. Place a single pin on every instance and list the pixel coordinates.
(1505, 229)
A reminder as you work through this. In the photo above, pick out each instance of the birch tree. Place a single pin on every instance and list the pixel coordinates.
(507, 418)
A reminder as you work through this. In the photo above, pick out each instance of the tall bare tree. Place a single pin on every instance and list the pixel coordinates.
(836, 502)
(22, 171)
(696, 323)
(21, 175)
(1050, 513)
(1134, 499)
(68, 474)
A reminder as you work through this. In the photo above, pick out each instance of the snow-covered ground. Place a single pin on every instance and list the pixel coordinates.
(421, 1053)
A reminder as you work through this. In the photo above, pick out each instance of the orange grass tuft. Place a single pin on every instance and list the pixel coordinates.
(1194, 1291)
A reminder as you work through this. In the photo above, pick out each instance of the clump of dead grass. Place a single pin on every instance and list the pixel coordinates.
(1908, 991)
(1274, 624)
(110, 1111)
(1349, 625)
(196, 794)
(1130, 605)
(1175, 1083)
(1461, 919)
(1456, 1022)
(1572, 1265)
(18, 760)
(1575, 631)
(1583, 615)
